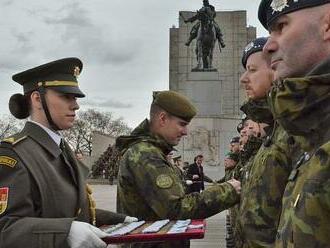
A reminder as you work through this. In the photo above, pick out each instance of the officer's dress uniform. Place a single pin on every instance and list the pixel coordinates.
(46, 191)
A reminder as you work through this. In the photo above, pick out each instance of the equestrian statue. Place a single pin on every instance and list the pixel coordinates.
(207, 31)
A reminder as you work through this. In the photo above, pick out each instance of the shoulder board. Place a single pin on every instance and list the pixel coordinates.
(13, 140)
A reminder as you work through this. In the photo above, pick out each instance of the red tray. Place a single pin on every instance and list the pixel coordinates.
(136, 235)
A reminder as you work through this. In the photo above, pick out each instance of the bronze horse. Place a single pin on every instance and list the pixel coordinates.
(206, 38)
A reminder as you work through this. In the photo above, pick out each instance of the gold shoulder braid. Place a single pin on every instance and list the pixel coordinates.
(92, 205)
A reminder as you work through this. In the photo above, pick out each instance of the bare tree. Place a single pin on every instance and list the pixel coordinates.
(9, 126)
(80, 135)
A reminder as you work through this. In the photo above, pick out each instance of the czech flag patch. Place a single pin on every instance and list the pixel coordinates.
(3, 199)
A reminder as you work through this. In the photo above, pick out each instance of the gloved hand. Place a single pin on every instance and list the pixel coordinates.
(85, 235)
(129, 219)
(189, 182)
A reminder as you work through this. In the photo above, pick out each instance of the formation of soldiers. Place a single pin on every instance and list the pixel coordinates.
(284, 180)
(277, 182)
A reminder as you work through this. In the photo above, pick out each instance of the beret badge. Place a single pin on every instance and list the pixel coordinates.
(249, 47)
(279, 5)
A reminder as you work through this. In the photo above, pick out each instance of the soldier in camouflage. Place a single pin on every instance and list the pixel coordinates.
(148, 185)
(266, 176)
(251, 134)
(299, 46)
(230, 164)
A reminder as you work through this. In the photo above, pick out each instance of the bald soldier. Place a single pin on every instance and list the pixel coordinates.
(299, 47)
(148, 185)
(44, 199)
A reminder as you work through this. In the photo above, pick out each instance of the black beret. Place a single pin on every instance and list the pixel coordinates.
(175, 104)
(254, 46)
(270, 10)
(240, 127)
(234, 140)
(61, 75)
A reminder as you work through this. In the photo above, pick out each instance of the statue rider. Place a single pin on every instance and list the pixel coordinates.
(210, 11)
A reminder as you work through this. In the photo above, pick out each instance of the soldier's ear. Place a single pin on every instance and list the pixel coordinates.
(162, 118)
(36, 100)
(325, 26)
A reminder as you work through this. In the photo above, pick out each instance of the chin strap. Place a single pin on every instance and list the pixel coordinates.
(42, 92)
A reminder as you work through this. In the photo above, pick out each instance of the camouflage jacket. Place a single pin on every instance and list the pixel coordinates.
(150, 189)
(302, 107)
(263, 187)
(229, 174)
(250, 150)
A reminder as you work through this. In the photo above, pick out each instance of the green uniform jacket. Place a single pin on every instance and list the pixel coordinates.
(302, 106)
(264, 185)
(246, 155)
(41, 193)
(150, 189)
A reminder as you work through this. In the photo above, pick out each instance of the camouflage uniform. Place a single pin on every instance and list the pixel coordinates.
(247, 156)
(229, 174)
(150, 189)
(263, 187)
(302, 107)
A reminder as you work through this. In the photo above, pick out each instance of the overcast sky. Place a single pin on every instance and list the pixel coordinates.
(124, 46)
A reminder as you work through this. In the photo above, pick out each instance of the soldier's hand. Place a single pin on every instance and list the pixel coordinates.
(189, 182)
(236, 184)
(85, 235)
(130, 219)
(195, 177)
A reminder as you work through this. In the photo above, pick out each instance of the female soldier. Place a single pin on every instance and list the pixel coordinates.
(44, 200)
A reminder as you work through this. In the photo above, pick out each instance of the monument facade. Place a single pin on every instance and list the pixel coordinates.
(216, 94)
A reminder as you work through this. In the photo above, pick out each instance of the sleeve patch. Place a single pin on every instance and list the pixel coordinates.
(8, 161)
(164, 181)
(3, 199)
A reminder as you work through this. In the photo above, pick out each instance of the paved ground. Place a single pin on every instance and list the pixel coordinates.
(105, 196)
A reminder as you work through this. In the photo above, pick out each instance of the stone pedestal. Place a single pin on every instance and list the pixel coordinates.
(211, 130)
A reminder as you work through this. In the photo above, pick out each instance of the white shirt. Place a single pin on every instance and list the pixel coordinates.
(54, 135)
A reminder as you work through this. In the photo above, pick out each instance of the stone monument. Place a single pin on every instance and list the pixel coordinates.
(216, 94)
(206, 31)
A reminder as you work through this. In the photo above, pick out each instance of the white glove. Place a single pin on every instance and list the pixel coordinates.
(189, 182)
(129, 219)
(85, 235)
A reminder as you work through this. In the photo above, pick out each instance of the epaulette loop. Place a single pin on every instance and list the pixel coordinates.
(13, 141)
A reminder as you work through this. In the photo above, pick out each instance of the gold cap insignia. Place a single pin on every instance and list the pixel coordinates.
(76, 71)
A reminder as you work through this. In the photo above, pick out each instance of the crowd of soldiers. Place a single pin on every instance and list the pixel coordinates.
(282, 160)
(277, 180)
